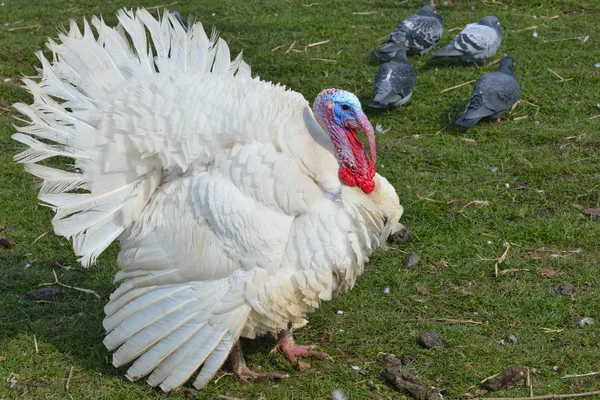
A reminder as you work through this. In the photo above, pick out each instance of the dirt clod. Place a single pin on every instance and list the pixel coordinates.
(563, 288)
(431, 339)
(7, 242)
(411, 259)
(515, 376)
(400, 237)
(49, 293)
(406, 382)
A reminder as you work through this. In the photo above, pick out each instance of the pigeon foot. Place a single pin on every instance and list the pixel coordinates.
(244, 373)
(287, 345)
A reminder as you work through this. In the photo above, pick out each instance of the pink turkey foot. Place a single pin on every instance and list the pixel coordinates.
(499, 122)
(287, 345)
(242, 371)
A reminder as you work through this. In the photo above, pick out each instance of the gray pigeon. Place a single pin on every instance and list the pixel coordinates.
(476, 42)
(419, 32)
(394, 82)
(493, 95)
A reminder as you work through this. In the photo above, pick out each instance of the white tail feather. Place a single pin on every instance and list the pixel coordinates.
(119, 167)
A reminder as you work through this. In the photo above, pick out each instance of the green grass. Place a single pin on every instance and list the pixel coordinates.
(556, 151)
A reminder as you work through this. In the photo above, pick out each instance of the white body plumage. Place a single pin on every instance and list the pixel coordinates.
(222, 189)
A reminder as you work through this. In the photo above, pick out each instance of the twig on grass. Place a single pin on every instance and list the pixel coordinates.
(56, 282)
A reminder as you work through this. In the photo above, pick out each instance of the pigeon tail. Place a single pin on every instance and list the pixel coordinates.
(467, 123)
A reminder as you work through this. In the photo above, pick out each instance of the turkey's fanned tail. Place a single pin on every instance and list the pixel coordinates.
(70, 109)
(173, 330)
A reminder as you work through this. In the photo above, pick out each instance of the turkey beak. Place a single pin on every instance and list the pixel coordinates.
(367, 128)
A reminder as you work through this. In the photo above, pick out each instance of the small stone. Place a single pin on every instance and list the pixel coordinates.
(512, 338)
(585, 321)
(507, 185)
(411, 259)
(340, 312)
(49, 293)
(356, 367)
(431, 339)
(422, 290)
(386, 290)
(597, 65)
(400, 237)
(535, 34)
(563, 289)
(494, 169)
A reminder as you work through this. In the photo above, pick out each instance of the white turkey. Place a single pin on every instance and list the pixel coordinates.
(238, 208)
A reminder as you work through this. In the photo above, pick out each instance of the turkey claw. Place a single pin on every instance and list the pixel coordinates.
(287, 345)
(245, 375)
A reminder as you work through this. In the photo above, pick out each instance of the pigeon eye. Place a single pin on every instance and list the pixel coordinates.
(345, 107)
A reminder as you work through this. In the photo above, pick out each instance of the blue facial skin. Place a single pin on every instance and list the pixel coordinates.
(346, 106)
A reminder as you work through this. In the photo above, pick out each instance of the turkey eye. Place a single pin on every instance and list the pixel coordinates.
(345, 107)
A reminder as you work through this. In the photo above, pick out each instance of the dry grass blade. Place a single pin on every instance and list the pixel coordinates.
(224, 397)
(317, 43)
(580, 375)
(291, 47)
(366, 13)
(36, 27)
(322, 59)
(279, 47)
(439, 201)
(564, 39)
(550, 330)
(311, 4)
(37, 350)
(162, 6)
(537, 109)
(454, 29)
(449, 321)
(546, 396)
(531, 28)
(552, 17)
(457, 86)
(39, 237)
(69, 378)
(492, 63)
(561, 79)
(511, 270)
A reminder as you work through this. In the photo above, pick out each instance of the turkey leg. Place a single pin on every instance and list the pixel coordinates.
(287, 345)
(238, 365)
